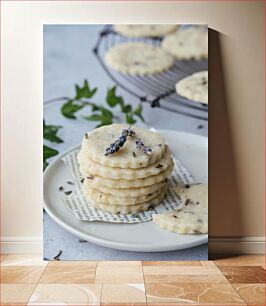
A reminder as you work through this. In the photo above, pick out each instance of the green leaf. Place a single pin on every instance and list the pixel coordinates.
(78, 92)
(138, 112)
(105, 118)
(47, 153)
(99, 113)
(126, 108)
(106, 121)
(106, 113)
(102, 124)
(94, 107)
(85, 91)
(70, 108)
(94, 117)
(112, 99)
(50, 131)
(130, 119)
(45, 164)
(99, 125)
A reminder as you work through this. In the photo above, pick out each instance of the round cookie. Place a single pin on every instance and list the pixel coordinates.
(100, 197)
(126, 192)
(144, 30)
(129, 209)
(97, 181)
(194, 87)
(192, 216)
(195, 192)
(187, 44)
(138, 58)
(93, 168)
(94, 146)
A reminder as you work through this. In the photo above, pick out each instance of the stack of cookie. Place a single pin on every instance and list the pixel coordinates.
(125, 169)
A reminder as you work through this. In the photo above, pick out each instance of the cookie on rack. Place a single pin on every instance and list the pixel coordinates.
(187, 43)
(137, 58)
(194, 87)
(144, 30)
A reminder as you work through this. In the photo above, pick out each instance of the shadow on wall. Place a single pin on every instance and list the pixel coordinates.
(224, 201)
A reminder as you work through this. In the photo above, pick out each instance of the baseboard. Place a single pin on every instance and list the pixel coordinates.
(21, 245)
(236, 245)
(217, 245)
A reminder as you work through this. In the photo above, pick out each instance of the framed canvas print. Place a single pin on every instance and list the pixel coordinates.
(125, 142)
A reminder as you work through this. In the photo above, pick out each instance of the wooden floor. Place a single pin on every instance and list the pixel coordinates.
(27, 280)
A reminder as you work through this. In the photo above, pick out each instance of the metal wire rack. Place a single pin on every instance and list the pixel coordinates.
(158, 90)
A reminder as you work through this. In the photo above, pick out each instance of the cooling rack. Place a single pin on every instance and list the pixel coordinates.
(158, 90)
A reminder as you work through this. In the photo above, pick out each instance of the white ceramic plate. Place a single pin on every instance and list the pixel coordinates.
(190, 149)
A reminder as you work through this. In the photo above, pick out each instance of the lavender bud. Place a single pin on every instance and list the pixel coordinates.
(119, 143)
(140, 145)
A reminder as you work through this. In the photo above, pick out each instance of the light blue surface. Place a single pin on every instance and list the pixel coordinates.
(68, 59)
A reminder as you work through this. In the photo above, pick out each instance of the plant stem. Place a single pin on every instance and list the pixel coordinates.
(55, 99)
